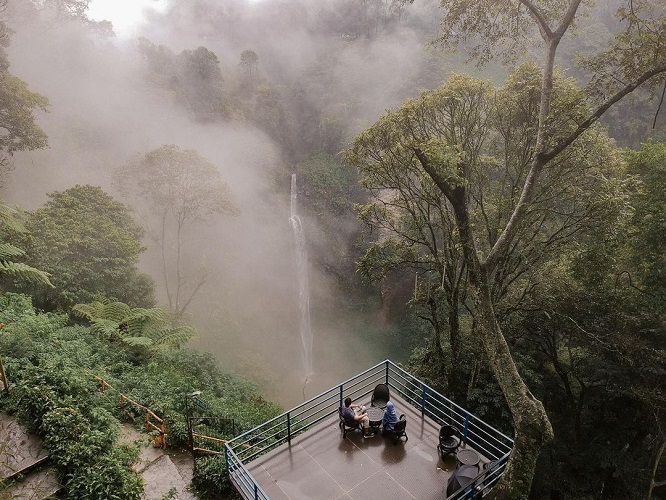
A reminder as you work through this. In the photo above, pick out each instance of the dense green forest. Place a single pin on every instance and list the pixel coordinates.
(482, 188)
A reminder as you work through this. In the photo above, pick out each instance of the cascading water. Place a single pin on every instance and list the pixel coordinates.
(303, 287)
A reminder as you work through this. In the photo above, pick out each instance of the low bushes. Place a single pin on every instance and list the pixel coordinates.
(50, 363)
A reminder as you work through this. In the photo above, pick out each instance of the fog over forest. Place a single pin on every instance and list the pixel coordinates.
(475, 189)
(103, 111)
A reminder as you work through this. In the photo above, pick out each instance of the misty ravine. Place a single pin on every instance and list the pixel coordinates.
(515, 203)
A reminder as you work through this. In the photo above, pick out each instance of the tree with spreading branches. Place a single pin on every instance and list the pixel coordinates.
(635, 58)
(174, 190)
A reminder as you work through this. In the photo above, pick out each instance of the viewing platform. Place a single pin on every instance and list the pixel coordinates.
(302, 454)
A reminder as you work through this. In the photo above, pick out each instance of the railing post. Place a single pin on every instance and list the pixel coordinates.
(387, 372)
(226, 461)
(449, 415)
(163, 435)
(341, 395)
(424, 395)
(464, 437)
(289, 427)
(3, 375)
(256, 492)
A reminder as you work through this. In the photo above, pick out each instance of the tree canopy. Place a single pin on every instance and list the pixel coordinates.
(648, 228)
(18, 128)
(490, 28)
(177, 189)
(10, 225)
(492, 129)
(90, 244)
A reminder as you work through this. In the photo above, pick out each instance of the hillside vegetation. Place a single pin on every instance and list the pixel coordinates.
(51, 361)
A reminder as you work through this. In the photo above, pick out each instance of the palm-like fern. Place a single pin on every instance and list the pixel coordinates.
(149, 328)
(8, 252)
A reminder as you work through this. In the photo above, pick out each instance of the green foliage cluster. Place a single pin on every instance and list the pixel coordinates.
(51, 362)
(147, 329)
(193, 78)
(11, 225)
(589, 339)
(592, 347)
(328, 184)
(210, 479)
(647, 232)
(54, 397)
(90, 244)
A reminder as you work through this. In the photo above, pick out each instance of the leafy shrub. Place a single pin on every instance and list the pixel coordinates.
(74, 440)
(63, 405)
(110, 476)
(50, 367)
(14, 307)
(211, 480)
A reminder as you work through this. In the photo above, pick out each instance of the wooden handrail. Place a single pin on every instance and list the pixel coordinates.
(3, 374)
(217, 440)
(160, 439)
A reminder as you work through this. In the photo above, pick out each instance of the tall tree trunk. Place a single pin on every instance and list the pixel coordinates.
(456, 381)
(654, 482)
(437, 330)
(532, 428)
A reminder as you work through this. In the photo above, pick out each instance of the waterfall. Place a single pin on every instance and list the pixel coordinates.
(303, 288)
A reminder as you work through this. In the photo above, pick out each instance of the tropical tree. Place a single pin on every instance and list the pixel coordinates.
(635, 58)
(249, 60)
(10, 224)
(90, 245)
(182, 189)
(592, 342)
(149, 329)
(192, 77)
(19, 132)
(416, 225)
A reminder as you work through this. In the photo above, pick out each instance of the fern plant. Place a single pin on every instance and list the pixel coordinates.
(147, 328)
(8, 252)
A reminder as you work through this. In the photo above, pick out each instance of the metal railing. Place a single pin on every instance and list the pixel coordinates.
(282, 429)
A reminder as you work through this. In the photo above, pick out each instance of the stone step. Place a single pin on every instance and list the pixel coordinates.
(19, 451)
(23, 458)
(161, 475)
(39, 484)
(162, 478)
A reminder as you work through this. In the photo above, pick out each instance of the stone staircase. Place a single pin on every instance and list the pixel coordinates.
(26, 475)
(163, 474)
(24, 464)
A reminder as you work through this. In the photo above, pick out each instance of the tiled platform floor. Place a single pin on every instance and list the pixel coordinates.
(321, 465)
